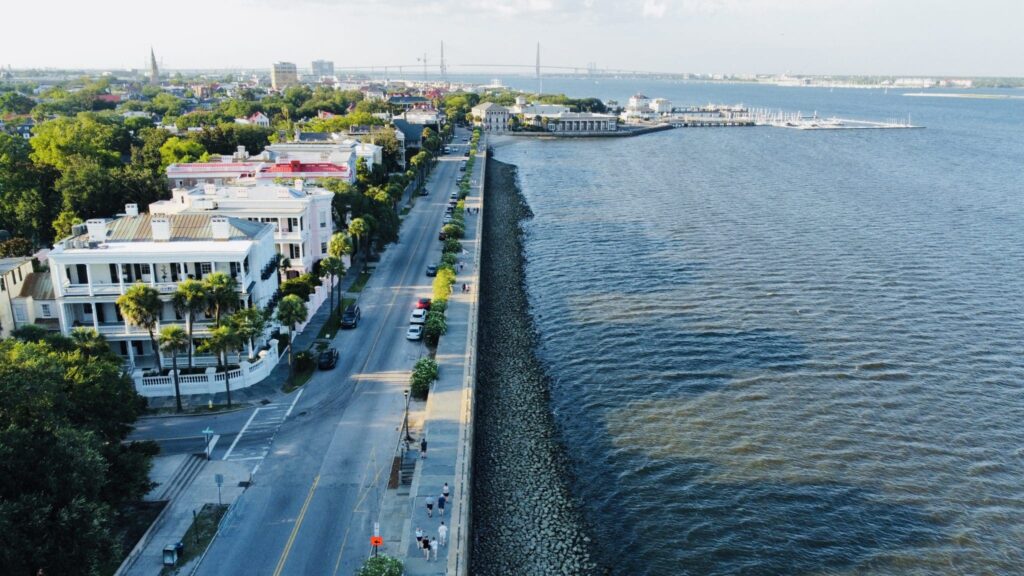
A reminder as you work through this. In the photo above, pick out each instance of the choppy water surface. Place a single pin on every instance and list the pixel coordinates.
(789, 352)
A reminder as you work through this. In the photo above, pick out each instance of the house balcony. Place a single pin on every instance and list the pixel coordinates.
(119, 331)
(245, 284)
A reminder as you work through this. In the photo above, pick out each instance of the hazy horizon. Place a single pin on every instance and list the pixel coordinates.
(816, 37)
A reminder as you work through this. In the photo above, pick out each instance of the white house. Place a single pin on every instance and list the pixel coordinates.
(258, 119)
(492, 117)
(102, 258)
(660, 106)
(300, 215)
(217, 173)
(638, 108)
(18, 285)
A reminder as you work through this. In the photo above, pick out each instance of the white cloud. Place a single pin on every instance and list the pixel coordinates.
(654, 8)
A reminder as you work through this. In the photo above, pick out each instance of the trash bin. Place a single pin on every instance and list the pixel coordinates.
(171, 555)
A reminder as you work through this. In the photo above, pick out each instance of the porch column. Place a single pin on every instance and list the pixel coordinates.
(88, 277)
(65, 327)
(95, 317)
(131, 352)
(120, 276)
(152, 274)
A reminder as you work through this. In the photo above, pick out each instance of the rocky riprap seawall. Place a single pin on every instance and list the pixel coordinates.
(524, 519)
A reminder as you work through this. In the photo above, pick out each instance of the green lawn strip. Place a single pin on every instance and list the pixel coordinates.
(199, 534)
(360, 282)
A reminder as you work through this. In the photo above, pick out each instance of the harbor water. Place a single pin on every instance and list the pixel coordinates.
(786, 352)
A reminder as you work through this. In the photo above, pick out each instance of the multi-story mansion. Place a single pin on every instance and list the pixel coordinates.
(103, 258)
(301, 216)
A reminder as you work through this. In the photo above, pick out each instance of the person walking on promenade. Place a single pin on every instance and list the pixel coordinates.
(430, 506)
(423, 447)
(434, 547)
(445, 491)
(419, 536)
(426, 549)
(440, 505)
(442, 533)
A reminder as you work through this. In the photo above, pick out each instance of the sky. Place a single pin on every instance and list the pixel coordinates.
(883, 37)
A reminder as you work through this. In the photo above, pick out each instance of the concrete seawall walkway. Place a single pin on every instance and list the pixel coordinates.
(446, 423)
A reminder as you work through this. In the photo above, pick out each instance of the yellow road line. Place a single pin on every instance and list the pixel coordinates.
(366, 492)
(295, 530)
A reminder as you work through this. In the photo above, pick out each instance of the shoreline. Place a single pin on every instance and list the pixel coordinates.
(525, 520)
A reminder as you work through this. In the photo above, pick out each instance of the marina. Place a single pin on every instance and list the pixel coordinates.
(720, 116)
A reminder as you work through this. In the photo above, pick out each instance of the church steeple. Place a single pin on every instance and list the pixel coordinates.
(154, 72)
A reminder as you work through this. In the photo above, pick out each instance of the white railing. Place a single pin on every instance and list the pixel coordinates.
(211, 382)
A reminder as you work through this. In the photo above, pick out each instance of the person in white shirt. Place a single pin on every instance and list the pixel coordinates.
(442, 533)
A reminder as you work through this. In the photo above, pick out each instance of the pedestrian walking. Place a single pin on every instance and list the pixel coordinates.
(426, 549)
(464, 288)
(442, 533)
(445, 491)
(419, 536)
(434, 547)
(430, 506)
(423, 447)
(440, 505)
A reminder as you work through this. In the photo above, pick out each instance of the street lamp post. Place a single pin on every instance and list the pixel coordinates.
(405, 423)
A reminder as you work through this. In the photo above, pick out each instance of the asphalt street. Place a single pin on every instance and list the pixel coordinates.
(321, 460)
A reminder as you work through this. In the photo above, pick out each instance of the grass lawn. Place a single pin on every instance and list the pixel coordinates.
(298, 379)
(199, 534)
(360, 282)
(333, 323)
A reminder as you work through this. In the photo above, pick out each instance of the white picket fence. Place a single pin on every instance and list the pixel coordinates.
(211, 382)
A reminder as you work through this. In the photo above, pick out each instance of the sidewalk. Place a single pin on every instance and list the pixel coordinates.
(270, 388)
(176, 519)
(445, 418)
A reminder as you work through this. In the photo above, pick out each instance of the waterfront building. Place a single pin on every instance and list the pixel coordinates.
(491, 117)
(103, 258)
(528, 111)
(300, 214)
(637, 108)
(323, 68)
(283, 75)
(660, 106)
(582, 123)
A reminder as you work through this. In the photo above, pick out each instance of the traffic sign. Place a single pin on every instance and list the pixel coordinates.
(376, 541)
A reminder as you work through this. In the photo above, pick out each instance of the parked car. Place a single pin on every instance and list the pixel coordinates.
(418, 316)
(415, 332)
(453, 196)
(424, 192)
(467, 156)
(350, 317)
(462, 168)
(431, 270)
(328, 359)
(442, 236)
(423, 303)
(447, 218)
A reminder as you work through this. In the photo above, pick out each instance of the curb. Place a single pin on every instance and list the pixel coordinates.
(196, 415)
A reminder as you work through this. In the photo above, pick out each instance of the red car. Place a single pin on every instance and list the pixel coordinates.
(423, 303)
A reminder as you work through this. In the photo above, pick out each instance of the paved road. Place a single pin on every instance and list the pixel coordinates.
(316, 491)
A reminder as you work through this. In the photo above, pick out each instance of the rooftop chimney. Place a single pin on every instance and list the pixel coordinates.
(131, 209)
(97, 228)
(220, 227)
(161, 228)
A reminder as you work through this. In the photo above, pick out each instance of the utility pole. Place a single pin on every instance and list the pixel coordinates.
(424, 66)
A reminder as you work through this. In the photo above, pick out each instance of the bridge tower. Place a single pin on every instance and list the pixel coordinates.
(540, 81)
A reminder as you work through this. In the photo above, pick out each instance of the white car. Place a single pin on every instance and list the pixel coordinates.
(419, 316)
(415, 332)
(447, 218)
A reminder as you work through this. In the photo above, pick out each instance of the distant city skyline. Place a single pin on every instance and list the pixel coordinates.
(844, 37)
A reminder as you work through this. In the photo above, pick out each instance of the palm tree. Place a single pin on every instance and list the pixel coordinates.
(90, 342)
(283, 264)
(332, 267)
(221, 295)
(190, 299)
(174, 339)
(249, 323)
(140, 305)
(291, 311)
(357, 228)
(221, 341)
